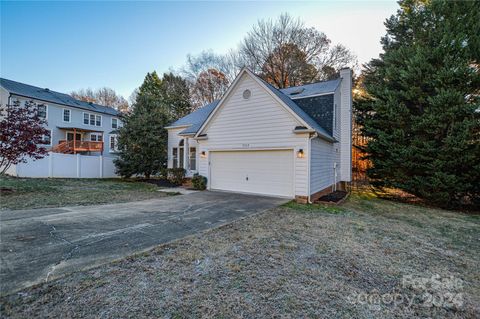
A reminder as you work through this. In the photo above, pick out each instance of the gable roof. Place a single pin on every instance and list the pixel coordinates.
(319, 88)
(196, 120)
(47, 95)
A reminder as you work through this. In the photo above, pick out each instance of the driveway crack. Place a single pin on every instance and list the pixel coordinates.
(74, 247)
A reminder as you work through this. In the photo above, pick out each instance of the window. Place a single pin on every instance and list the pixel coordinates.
(175, 157)
(113, 143)
(181, 152)
(114, 123)
(92, 119)
(66, 115)
(193, 158)
(42, 111)
(47, 138)
(96, 137)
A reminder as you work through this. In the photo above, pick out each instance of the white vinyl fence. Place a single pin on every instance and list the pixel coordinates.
(66, 165)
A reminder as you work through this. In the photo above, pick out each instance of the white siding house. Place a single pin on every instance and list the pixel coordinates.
(78, 131)
(261, 140)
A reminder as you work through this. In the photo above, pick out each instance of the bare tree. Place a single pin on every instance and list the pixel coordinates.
(208, 76)
(103, 96)
(209, 86)
(279, 49)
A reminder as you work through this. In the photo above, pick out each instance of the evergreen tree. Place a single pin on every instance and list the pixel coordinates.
(142, 141)
(175, 95)
(422, 111)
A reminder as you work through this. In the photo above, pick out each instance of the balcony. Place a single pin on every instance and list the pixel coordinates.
(76, 146)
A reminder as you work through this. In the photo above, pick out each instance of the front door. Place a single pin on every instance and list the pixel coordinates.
(70, 136)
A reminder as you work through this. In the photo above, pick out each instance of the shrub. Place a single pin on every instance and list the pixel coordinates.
(176, 175)
(199, 182)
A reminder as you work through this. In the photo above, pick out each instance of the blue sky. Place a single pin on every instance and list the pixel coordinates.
(71, 45)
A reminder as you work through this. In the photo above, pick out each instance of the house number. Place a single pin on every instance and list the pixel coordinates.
(245, 145)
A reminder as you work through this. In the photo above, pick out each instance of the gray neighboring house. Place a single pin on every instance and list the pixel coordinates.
(294, 143)
(76, 127)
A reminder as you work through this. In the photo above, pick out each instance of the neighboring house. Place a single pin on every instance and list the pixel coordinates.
(76, 127)
(294, 142)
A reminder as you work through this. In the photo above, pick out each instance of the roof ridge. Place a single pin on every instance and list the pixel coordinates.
(313, 83)
(56, 94)
(35, 87)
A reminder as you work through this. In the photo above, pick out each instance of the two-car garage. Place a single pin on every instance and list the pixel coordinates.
(266, 172)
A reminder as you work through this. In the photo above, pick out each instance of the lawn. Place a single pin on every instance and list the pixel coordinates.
(369, 258)
(24, 193)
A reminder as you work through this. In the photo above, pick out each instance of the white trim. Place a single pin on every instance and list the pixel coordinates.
(230, 89)
(101, 120)
(114, 150)
(83, 118)
(275, 148)
(111, 122)
(51, 137)
(89, 119)
(307, 96)
(46, 109)
(96, 138)
(69, 115)
(177, 126)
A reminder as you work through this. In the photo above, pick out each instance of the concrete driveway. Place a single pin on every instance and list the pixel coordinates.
(41, 244)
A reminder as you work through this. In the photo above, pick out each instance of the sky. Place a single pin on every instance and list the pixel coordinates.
(71, 45)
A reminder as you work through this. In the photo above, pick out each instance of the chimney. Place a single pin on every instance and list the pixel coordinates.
(346, 125)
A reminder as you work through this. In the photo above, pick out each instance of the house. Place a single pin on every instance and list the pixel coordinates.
(293, 142)
(75, 126)
(82, 138)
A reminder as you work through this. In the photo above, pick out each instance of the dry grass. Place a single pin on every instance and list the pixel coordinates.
(25, 193)
(293, 261)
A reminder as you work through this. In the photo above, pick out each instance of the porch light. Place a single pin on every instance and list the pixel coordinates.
(203, 154)
(300, 153)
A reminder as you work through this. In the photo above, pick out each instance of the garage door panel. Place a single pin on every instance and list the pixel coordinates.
(260, 172)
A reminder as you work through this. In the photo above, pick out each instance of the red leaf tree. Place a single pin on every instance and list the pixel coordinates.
(22, 134)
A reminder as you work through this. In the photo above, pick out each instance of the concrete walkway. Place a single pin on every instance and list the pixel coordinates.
(41, 244)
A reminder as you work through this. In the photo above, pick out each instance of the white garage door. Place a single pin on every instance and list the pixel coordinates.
(258, 172)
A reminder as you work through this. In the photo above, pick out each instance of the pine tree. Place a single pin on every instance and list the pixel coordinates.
(143, 138)
(423, 107)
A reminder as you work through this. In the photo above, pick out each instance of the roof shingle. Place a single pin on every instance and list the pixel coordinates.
(47, 95)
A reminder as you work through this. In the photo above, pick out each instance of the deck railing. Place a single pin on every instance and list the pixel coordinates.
(72, 147)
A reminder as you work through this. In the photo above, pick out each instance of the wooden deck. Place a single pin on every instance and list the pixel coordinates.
(75, 146)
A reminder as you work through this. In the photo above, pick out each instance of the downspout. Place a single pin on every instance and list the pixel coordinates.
(309, 150)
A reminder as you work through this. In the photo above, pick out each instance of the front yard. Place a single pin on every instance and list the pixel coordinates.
(367, 258)
(24, 193)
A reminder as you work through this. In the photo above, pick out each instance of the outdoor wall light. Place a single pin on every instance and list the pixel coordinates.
(300, 153)
(203, 154)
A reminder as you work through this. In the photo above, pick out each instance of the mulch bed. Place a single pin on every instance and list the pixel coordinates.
(159, 182)
(333, 197)
(6, 190)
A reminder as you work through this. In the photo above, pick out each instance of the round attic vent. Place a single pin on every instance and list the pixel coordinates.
(247, 94)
